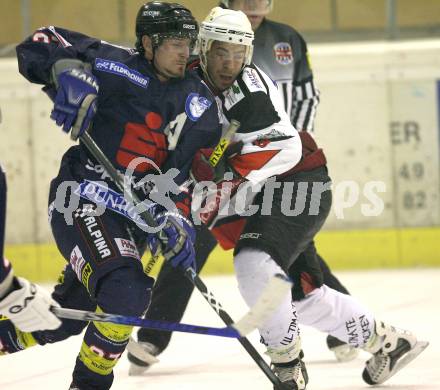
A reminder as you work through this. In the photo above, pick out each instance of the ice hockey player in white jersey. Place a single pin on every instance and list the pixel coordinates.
(275, 199)
(268, 167)
(281, 52)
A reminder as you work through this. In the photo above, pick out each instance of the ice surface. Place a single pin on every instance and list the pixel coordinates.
(405, 298)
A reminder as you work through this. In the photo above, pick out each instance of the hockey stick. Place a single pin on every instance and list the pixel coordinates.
(227, 319)
(275, 291)
(224, 142)
(189, 272)
(214, 159)
(82, 315)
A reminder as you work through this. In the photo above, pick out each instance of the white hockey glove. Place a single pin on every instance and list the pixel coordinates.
(28, 307)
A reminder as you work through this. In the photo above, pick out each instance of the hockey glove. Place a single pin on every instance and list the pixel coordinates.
(176, 240)
(209, 204)
(75, 101)
(28, 307)
(202, 170)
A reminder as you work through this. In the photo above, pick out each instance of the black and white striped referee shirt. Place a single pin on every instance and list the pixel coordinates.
(281, 52)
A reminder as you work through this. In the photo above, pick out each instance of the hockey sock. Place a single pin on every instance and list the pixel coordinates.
(254, 268)
(101, 349)
(337, 314)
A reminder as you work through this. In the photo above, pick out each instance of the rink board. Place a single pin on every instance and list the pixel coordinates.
(378, 121)
(355, 249)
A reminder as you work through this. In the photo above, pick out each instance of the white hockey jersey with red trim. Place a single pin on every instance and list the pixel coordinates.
(272, 145)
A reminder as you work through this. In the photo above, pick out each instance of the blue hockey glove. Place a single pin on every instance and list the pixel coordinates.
(75, 101)
(176, 240)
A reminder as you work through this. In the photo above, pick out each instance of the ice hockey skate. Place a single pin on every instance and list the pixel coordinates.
(141, 355)
(288, 366)
(293, 374)
(343, 351)
(392, 349)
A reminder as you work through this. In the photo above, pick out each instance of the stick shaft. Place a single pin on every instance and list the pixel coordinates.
(82, 315)
(219, 150)
(226, 318)
(96, 151)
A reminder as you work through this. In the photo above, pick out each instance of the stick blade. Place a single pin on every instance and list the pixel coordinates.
(267, 303)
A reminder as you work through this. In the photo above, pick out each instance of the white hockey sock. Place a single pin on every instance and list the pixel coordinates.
(337, 314)
(253, 269)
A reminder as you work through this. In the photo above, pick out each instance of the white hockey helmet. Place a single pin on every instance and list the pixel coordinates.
(225, 25)
(250, 7)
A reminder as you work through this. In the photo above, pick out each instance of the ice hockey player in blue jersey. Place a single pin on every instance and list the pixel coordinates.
(139, 105)
(26, 304)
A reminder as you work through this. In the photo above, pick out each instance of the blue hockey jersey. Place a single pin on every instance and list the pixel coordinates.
(137, 115)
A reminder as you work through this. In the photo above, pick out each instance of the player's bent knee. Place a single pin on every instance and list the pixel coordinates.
(125, 291)
(251, 263)
(253, 269)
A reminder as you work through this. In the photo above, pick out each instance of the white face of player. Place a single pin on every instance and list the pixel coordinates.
(224, 63)
(170, 58)
(255, 10)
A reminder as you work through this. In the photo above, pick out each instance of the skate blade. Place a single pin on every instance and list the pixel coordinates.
(418, 348)
(138, 352)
